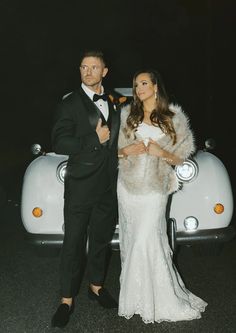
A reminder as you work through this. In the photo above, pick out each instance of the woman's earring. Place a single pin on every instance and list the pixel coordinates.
(155, 94)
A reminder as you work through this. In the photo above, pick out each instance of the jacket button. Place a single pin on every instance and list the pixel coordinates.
(95, 148)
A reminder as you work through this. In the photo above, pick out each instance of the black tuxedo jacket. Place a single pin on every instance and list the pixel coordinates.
(91, 166)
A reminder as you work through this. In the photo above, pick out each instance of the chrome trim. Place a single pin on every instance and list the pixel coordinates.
(189, 163)
(60, 173)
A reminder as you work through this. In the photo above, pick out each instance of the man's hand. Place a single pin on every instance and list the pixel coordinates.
(103, 132)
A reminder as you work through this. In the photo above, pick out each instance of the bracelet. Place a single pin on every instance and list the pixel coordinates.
(122, 156)
(168, 160)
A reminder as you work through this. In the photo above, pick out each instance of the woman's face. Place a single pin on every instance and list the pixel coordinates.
(144, 88)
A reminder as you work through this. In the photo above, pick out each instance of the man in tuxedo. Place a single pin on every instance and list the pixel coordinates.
(86, 128)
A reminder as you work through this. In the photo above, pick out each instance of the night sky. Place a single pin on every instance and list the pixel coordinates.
(190, 42)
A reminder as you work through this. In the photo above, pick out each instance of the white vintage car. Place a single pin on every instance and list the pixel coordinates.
(199, 213)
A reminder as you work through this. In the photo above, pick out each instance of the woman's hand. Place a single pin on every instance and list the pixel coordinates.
(135, 148)
(153, 148)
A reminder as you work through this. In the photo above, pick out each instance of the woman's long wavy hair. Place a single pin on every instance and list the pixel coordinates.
(160, 116)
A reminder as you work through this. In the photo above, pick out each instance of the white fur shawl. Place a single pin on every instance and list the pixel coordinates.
(144, 173)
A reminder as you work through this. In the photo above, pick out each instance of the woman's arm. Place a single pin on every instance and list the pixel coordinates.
(135, 148)
(154, 149)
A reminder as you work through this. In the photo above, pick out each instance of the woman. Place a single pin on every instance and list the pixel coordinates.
(154, 137)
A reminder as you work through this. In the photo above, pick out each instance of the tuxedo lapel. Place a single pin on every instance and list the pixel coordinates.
(92, 111)
(94, 114)
(113, 122)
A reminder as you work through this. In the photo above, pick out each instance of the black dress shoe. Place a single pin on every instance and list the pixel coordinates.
(103, 298)
(62, 316)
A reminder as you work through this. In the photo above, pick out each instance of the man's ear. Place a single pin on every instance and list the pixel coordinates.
(105, 70)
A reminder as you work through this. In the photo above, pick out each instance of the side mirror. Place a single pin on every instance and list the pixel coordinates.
(36, 149)
(210, 144)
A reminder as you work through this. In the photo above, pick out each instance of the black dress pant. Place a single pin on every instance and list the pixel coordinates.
(97, 219)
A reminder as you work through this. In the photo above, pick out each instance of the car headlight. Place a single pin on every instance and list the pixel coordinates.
(191, 223)
(61, 170)
(187, 171)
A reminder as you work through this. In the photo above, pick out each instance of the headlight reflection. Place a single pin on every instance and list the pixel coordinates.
(187, 171)
(61, 170)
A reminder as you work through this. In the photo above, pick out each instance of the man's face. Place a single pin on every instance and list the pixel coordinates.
(92, 71)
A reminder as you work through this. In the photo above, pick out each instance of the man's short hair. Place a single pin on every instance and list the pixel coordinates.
(93, 53)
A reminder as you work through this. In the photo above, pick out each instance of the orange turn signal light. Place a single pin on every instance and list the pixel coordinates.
(37, 212)
(219, 208)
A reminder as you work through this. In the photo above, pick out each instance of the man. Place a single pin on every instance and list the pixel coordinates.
(86, 128)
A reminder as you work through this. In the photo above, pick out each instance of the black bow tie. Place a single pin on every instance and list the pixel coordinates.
(96, 97)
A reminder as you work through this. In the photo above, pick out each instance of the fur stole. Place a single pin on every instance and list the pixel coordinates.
(144, 173)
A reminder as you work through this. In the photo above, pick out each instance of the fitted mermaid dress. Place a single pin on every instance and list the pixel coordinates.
(150, 284)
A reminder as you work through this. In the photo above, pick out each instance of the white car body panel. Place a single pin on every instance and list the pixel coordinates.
(42, 188)
(198, 198)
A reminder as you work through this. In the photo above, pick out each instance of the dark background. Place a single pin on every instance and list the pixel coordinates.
(190, 42)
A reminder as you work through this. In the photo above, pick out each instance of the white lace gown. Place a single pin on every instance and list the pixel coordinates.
(150, 284)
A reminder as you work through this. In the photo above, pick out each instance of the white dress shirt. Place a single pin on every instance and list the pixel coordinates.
(101, 104)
